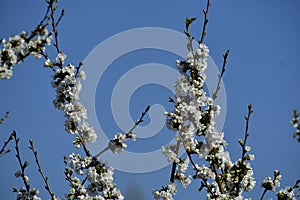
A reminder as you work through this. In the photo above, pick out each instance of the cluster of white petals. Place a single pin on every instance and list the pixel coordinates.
(271, 183)
(166, 193)
(18, 47)
(67, 86)
(118, 144)
(194, 120)
(287, 194)
(100, 177)
(23, 194)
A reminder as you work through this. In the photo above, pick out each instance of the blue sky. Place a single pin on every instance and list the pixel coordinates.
(263, 68)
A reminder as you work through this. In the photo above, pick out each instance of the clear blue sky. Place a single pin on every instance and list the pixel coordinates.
(263, 68)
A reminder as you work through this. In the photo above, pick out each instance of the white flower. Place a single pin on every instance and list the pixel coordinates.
(81, 74)
(61, 57)
(170, 152)
(48, 63)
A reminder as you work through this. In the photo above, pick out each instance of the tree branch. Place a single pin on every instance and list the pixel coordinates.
(45, 178)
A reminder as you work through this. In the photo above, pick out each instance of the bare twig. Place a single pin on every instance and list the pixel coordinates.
(4, 117)
(205, 11)
(247, 118)
(137, 122)
(45, 178)
(140, 120)
(3, 151)
(22, 165)
(220, 76)
(263, 194)
(54, 25)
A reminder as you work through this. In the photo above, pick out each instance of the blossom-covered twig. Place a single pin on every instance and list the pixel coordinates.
(18, 47)
(244, 167)
(271, 183)
(67, 85)
(194, 120)
(45, 178)
(289, 193)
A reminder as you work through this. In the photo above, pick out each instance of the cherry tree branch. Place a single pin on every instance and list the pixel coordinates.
(21, 164)
(205, 12)
(220, 76)
(4, 117)
(45, 178)
(137, 122)
(3, 151)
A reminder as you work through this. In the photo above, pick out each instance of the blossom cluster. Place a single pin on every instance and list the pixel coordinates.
(166, 192)
(67, 86)
(117, 144)
(271, 183)
(194, 120)
(100, 177)
(18, 47)
(288, 193)
(23, 194)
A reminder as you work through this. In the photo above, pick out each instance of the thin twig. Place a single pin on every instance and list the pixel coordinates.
(2, 151)
(54, 25)
(173, 170)
(78, 68)
(263, 194)
(250, 111)
(140, 120)
(4, 117)
(220, 76)
(22, 166)
(137, 122)
(45, 178)
(246, 135)
(205, 11)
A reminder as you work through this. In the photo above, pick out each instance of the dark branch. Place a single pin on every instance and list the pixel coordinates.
(22, 165)
(3, 151)
(45, 178)
(220, 76)
(4, 117)
(205, 11)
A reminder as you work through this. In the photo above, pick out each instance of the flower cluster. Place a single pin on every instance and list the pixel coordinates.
(18, 47)
(67, 86)
(100, 177)
(117, 144)
(286, 194)
(194, 120)
(166, 193)
(271, 183)
(23, 194)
